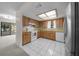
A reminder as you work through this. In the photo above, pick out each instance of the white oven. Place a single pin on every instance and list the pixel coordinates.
(33, 32)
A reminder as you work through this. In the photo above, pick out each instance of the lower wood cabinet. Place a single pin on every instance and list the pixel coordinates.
(26, 38)
(47, 34)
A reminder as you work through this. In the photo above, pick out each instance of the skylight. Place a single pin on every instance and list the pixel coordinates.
(48, 15)
(42, 16)
(51, 13)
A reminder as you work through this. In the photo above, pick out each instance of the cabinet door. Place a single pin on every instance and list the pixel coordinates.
(40, 24)
(53, 35)
(44, 24)
(57, 22)
(25, 21)
(37, 23)
(38, 34)
(61, 22)
(26, 38)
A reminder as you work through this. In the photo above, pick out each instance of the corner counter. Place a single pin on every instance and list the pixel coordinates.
(56, 30)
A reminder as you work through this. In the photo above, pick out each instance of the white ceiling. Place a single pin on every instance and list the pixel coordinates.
(9, 7)
(32, 9)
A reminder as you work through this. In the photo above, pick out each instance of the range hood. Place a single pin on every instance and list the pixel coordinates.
(32, 24)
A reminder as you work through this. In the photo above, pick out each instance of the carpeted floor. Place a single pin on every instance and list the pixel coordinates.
(12, 50)
(8, 47)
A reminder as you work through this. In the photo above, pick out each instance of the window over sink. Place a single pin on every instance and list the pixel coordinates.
(51, 24)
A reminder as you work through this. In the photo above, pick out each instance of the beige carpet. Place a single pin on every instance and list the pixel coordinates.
(12, 50)
(8, 46)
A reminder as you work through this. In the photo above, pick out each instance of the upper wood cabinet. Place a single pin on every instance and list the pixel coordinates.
(25, 21)
(43, 24)
(59, 22)
(35, 22)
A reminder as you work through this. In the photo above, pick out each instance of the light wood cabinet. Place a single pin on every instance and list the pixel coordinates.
(34, 22)
(25, 21)
(47, 34)
(26, 37)
(37, 23)
(59, 22)
(43, 24)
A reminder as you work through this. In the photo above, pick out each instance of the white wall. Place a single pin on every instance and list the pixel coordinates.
(8, 20)
(19, 28)
(68, 30)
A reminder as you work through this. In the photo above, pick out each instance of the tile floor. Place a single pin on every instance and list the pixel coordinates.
(44, 47)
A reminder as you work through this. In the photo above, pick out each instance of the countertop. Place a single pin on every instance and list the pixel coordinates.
(56, 30)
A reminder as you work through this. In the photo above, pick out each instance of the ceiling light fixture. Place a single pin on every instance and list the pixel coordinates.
(48, 15)
(42, 16)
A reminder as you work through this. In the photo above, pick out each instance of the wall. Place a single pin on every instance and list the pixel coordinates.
(0, 28)
(73, 28)
(8, 20)
(19, 28)
(69, 30)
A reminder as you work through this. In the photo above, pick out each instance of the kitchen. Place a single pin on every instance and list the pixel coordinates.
(39, 29)
(34, 30)
(42, 36)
